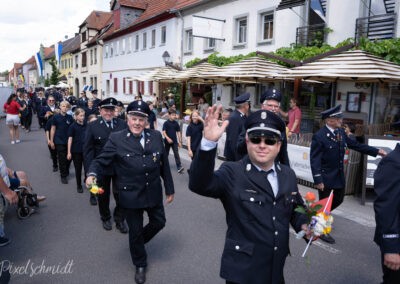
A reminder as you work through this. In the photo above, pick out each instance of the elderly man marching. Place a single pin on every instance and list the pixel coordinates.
(259, 197)
(140, 162)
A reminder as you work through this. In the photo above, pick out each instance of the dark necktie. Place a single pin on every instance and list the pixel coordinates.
(136, 140)
(266, 177)
(109, 124)
(336, 133)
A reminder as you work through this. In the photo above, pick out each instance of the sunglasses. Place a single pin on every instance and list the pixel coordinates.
(267, 140)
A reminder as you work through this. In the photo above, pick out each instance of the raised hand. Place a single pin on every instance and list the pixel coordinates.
(212, 130)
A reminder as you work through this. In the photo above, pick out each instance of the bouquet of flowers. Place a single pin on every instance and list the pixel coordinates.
(95, 189)
(319, 216)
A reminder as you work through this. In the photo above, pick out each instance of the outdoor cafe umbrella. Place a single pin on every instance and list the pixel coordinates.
(355, 65)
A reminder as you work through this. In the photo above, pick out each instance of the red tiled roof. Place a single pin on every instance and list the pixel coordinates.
(97, 20)
(138, 4)
(30, 60)
(155, 8)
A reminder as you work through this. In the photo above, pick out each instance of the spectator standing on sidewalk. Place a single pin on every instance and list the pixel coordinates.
(294, 116)
(59, 139)
(173, 137)
(76, 135)
(387, 214)
(12, 109)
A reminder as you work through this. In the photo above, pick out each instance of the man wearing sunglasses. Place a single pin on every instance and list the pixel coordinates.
(270, 100)
(259, 197)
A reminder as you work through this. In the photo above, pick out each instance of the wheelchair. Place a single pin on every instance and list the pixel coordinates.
(27, 202)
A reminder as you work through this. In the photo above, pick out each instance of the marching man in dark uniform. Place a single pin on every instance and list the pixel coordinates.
(96, 136)
(387, 214)
(236, 122)
(140, 161)
(96, 100)
(326, 158)
(259, 197)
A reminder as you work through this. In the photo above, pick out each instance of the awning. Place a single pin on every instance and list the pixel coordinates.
(156, 74)
(285, 4)
(355, 65)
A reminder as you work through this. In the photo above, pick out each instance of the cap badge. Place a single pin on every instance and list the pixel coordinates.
(248, 167)
(262, 125)
(263, 115)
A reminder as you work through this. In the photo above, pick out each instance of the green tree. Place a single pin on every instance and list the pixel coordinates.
(54, 72)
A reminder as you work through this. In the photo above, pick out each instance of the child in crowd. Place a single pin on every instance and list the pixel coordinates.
(76, 134)
(194, 133)
(173, 137)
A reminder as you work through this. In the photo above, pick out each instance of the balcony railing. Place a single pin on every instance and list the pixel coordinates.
(376, 27)
(310, 35)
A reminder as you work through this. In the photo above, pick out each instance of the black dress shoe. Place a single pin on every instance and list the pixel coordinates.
(140, 275)
(121, 227)
(64, 180)
(79, 189)
(93, 200)
(327, 238)
(107, 225)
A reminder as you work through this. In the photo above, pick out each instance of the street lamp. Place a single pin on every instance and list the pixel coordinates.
(166, 57)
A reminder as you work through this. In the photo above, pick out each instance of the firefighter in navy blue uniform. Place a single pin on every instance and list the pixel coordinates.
(259, 197)
(96, 136)
(235, 126)
(96, 100)
(387, 214)
(140, 161)
(269, 100)
(327, 154)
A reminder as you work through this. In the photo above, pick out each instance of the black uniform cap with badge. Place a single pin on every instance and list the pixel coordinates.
(109, 103)
(334, 112)
(139, 108)
(264, 124)
(243, 98)
(271, 94)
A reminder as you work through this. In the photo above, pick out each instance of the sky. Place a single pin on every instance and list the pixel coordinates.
(25, 24)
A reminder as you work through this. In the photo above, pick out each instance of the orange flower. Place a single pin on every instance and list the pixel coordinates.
(310, 196)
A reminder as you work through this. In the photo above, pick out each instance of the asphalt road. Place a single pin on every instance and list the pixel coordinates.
(65, 243)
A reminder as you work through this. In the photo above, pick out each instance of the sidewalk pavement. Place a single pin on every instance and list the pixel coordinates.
(350, 209)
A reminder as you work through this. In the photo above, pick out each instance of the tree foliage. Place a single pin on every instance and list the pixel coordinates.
(54, 72)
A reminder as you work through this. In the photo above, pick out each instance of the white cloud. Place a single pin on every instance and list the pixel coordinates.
(25, 24)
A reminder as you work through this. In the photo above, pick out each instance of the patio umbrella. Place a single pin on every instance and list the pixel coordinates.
(355, 65)
(249, 70)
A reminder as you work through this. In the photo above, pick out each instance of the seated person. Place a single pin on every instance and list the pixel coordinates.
(19, 178)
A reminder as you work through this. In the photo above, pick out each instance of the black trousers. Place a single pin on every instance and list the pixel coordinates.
(77, 158)
(104, 200)
(175, 149)
(139, 235)
(53, 155)
(389, 276)
(63, 162)
(27, 121)
(338, 196)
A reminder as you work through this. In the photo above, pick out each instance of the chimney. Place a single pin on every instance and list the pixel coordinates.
(117, 19)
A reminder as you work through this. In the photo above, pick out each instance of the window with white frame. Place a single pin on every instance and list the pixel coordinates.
(91, 57)
(153, 38)
(123, 45)
(95, 55)
(210, 44)
(241, 30)
(117, 48)
(76, 61)
(144, 40)
(137, 43)
(163, 35)
(111, 49)
(267, 26)
(188, 40)
(106, 52)
(128, 45)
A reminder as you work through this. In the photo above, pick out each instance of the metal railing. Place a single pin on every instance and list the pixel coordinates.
(376, 27)
(310, 35)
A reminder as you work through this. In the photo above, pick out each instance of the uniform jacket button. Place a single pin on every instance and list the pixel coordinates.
(275, 248)
(237, 247)
(273, 218)
(276, 233)
(251, 199)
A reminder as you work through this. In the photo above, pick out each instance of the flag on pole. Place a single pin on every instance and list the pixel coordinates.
(39, 63)
(326, 204)
(58, 51)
